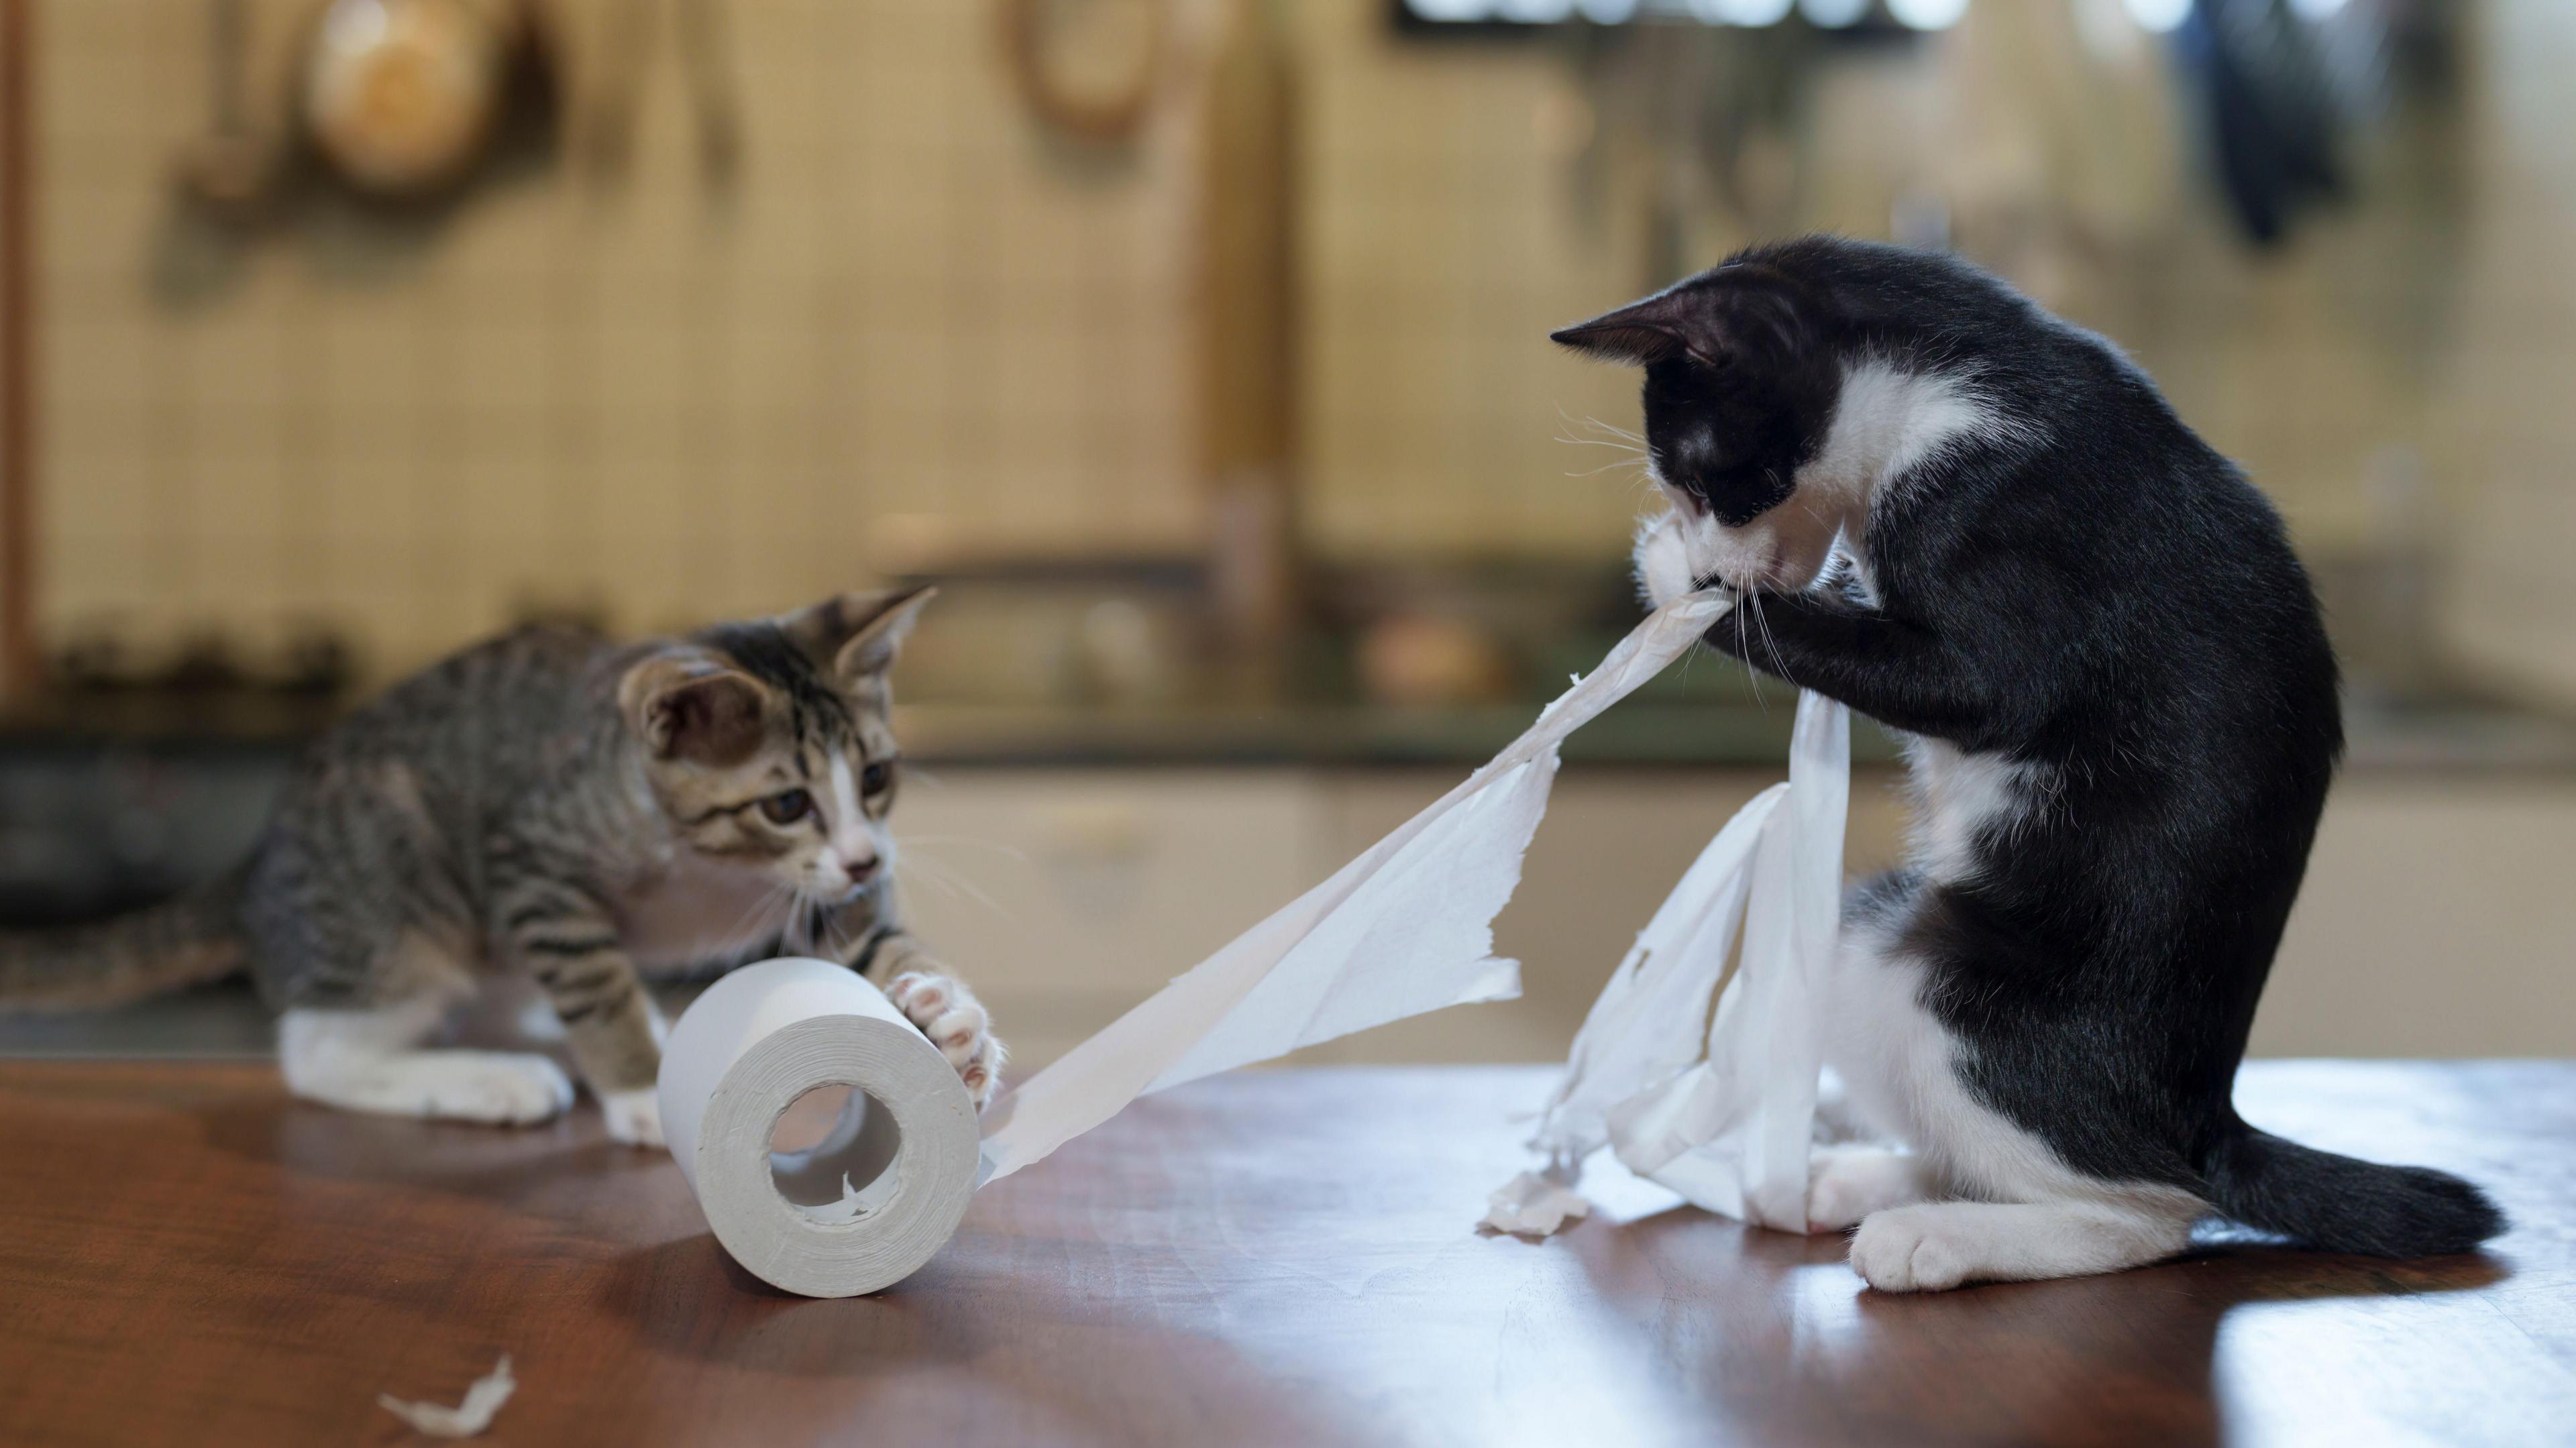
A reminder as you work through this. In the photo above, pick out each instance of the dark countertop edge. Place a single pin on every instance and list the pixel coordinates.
(187, 1056)
(1518, 1070)
(1658, 735)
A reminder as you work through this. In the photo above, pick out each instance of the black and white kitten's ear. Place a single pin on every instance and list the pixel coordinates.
(1743, 315)
(1638, 333)
(689, 706)
(858, 634)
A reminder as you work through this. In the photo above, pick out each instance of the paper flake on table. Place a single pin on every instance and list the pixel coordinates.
(467, 1418)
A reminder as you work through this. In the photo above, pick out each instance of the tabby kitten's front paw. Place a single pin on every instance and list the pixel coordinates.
(945, 1011)
(504, 1087)
(634, 1117)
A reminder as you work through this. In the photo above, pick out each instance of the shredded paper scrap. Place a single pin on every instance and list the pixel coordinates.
(467, 1418)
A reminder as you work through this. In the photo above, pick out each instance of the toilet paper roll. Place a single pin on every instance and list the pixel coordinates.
(744, 1052)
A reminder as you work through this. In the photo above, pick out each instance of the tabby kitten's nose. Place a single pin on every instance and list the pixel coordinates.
(860, 871)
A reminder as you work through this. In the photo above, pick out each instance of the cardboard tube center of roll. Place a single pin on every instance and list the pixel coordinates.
(833, 1152)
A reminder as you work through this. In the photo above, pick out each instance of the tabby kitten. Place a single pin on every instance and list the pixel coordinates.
(1984, 528)
(556, 807)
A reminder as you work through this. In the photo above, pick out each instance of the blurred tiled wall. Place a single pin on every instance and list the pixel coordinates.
(1456, 214)
(2508, 392)
(657, 399)
(1446, 235)
(919, 317)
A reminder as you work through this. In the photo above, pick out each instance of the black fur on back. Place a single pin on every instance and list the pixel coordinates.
(2102, 596)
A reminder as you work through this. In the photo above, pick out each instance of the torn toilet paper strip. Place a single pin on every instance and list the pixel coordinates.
(1405, 928)
(1727, 1123)
(1650, 1023)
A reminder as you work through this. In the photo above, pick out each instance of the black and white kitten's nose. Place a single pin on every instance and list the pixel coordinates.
(861, 871)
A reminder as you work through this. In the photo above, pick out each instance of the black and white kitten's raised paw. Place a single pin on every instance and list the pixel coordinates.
(944, 1010)
(1662, 559)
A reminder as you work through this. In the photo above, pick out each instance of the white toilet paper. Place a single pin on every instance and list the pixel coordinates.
(1725, 1121)
(743, 1053)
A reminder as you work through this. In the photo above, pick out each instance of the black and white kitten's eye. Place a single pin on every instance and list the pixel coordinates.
(875, 778)
(787, 806)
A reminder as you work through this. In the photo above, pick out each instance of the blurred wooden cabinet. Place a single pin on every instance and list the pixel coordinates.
(2432, 923)
(1066, 896)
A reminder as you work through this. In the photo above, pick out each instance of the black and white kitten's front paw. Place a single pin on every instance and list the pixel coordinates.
(1922, 1248)
(944, 1010)
(1662, 559)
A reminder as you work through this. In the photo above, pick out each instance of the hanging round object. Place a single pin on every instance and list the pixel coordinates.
(400, 95)
(1088, 68)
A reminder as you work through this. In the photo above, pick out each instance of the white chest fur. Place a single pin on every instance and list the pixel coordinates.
(1959, 800)
(698, 910)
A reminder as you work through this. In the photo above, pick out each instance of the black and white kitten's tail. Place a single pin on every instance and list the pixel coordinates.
(2340, 1204)
(187, 940)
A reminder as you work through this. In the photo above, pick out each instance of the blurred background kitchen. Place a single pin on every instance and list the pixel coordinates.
(1197, 349)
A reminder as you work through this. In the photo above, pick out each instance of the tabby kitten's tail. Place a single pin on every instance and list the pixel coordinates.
(184, 941)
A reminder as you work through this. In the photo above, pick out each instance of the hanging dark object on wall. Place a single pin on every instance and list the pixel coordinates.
(2282, 86)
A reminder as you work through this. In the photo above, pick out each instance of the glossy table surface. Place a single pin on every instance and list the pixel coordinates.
(186, 1257)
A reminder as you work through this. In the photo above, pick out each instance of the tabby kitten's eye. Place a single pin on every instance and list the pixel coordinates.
(875, 778)
(787, 806)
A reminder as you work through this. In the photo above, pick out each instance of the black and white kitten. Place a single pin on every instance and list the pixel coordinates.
(1986, 529)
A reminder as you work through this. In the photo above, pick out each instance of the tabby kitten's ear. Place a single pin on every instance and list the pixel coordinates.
(688, 706)
(858, 634)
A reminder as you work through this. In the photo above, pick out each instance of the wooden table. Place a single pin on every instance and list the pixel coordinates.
(188, 1258)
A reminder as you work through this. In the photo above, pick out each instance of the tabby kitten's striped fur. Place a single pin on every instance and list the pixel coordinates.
(554, 806)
